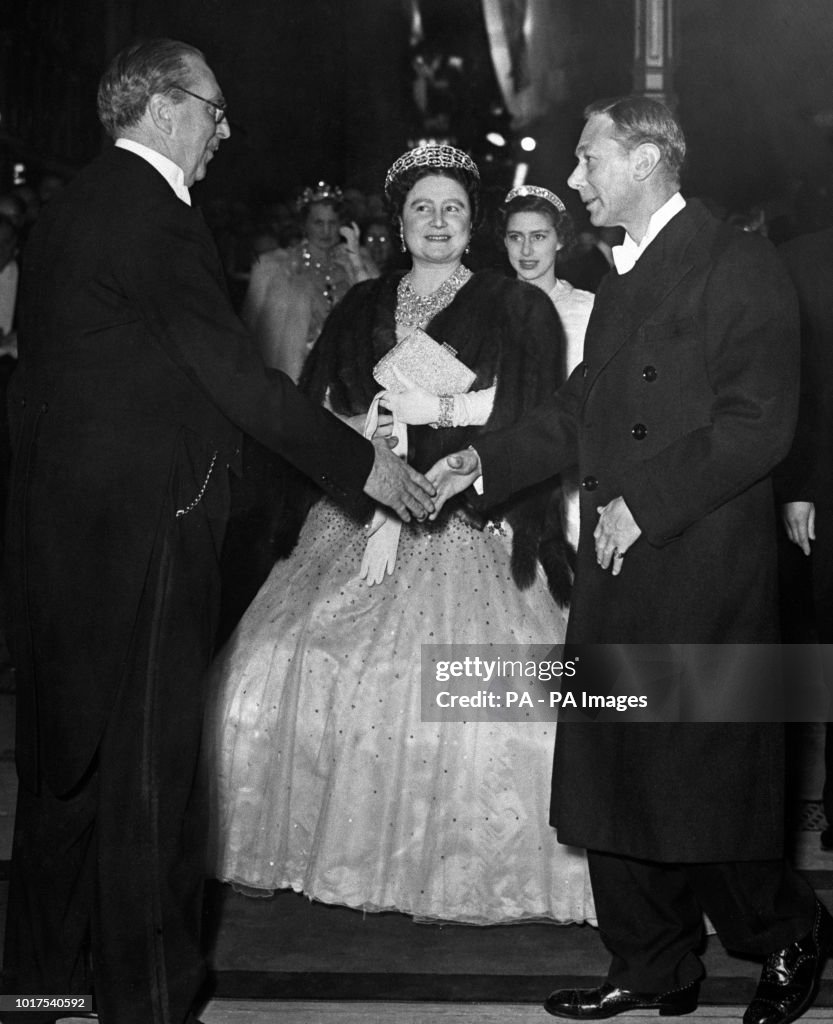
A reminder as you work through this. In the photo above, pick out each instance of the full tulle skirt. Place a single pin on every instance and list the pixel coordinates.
(326, 780)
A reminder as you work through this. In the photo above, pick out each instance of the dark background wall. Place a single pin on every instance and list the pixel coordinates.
(755, 83)
(314, 87)
(320, 88)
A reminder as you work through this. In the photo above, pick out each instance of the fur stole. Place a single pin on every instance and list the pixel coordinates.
(502, 329)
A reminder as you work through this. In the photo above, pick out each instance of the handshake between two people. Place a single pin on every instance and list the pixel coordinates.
(393, 482)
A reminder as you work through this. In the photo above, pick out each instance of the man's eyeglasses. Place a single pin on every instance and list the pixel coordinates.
(218, 110)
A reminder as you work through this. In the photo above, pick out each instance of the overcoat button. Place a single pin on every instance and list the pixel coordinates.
(639, 431)
(649, 374)
(590, 483)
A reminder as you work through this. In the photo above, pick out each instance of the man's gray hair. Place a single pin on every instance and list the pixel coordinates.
(138, 72)
(639, 119)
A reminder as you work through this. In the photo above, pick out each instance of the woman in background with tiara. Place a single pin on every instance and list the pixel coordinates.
(291, 291)
(535, 226)
(326, 779)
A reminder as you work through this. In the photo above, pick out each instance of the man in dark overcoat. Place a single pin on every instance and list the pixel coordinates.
(684, 403)
(804, 481)
(135, 382)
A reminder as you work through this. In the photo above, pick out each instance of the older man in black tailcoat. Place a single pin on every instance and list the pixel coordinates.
(684, 403)
(135, 382)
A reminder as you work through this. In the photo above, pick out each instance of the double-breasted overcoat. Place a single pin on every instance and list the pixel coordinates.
(684, 403)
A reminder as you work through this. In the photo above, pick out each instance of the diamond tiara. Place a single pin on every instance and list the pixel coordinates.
(538, 192)
(318, 194)
(431, 155)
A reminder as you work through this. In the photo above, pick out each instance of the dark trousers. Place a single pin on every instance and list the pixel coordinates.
(106, 886)
(827, 794)
(651, 914)
(807, 613)
(822, 563)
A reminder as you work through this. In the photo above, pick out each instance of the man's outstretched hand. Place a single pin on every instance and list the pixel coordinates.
(392, 482)
(452, 475)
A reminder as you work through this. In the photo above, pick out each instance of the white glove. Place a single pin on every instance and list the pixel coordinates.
(380, 551)
(414, 405)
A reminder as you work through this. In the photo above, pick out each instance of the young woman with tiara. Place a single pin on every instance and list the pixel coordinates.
(535, 226)
(326, 779)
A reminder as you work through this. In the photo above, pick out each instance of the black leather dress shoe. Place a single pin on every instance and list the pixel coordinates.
(607, 1001)
(790, 977)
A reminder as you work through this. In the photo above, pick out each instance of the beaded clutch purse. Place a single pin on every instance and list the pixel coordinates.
(433, 366)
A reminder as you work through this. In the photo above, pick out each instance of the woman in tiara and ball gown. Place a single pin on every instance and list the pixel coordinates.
(325, 778)
(291, 291)
(535, 226)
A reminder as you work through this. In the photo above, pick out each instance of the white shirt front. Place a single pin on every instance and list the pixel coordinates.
(171, 172)
(626, 254)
